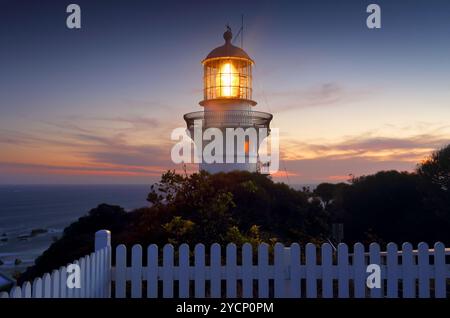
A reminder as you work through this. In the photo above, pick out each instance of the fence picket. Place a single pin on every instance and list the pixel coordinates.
(343, 271)
(231, 270)
(26, 290)
(93, 275)
(263, 270)
(36, 290)
(216, 264)
(247, 270)
(152, 271)
(311, 271)
(199, 271)
(440, 274)
(375, 258)
(98, 274)
(359, 265)
(287, 272)
(409, 282)
(76, 291)
(87, 275)
(16, 292)
(136, 271)
(106, 272)
(167, 271)
(279, 270)
(63, 282)
(392, 270)
(183, 261)
(107, 290)
(101, 273)
(82, 263)
(295, 271)
(55, 284)
(327, 271)
(69, 291)
(47, 285)
(121, 268)
(424, 270)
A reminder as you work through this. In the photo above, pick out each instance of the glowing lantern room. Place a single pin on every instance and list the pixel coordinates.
(227, 73)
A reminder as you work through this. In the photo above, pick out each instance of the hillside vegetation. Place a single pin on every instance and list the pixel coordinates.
(249, 207)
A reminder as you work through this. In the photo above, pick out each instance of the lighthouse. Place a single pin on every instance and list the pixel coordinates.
(228, 106)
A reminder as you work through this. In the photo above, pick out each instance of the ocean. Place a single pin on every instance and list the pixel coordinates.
(33, 216)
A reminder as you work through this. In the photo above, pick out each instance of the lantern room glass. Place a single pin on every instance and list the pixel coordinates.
(227, 78)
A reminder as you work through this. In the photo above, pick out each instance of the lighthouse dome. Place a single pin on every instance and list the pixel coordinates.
(228, 49)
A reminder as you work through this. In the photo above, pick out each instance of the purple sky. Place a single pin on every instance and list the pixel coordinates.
(97, 105)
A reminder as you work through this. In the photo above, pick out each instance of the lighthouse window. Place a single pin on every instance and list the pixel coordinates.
(227, 78)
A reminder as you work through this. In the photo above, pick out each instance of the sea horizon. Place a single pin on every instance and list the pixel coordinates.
(32, 216)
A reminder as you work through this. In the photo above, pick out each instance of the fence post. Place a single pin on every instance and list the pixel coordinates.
(103, 240)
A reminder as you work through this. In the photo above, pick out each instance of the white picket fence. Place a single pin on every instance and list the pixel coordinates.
(95, 275)
(290, 272)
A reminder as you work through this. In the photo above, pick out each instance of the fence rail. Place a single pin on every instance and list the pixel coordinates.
(281, 271)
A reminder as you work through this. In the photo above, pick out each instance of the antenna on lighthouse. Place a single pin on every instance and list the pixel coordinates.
(241, 32)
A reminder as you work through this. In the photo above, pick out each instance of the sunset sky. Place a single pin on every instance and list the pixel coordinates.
(97, 105)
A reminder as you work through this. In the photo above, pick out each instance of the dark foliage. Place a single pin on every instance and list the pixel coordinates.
(234, 207)
(248, 207)
(394, 206)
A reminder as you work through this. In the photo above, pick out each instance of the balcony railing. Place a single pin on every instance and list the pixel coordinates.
(229, 118)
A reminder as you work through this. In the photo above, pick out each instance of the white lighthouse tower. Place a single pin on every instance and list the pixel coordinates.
(227, 103)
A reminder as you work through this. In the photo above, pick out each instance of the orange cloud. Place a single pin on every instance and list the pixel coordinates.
(129, 149)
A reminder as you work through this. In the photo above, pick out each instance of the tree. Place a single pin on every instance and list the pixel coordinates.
(434, 174)
(217, 203)
(436, 169)
(387, 205)
(330, 192)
